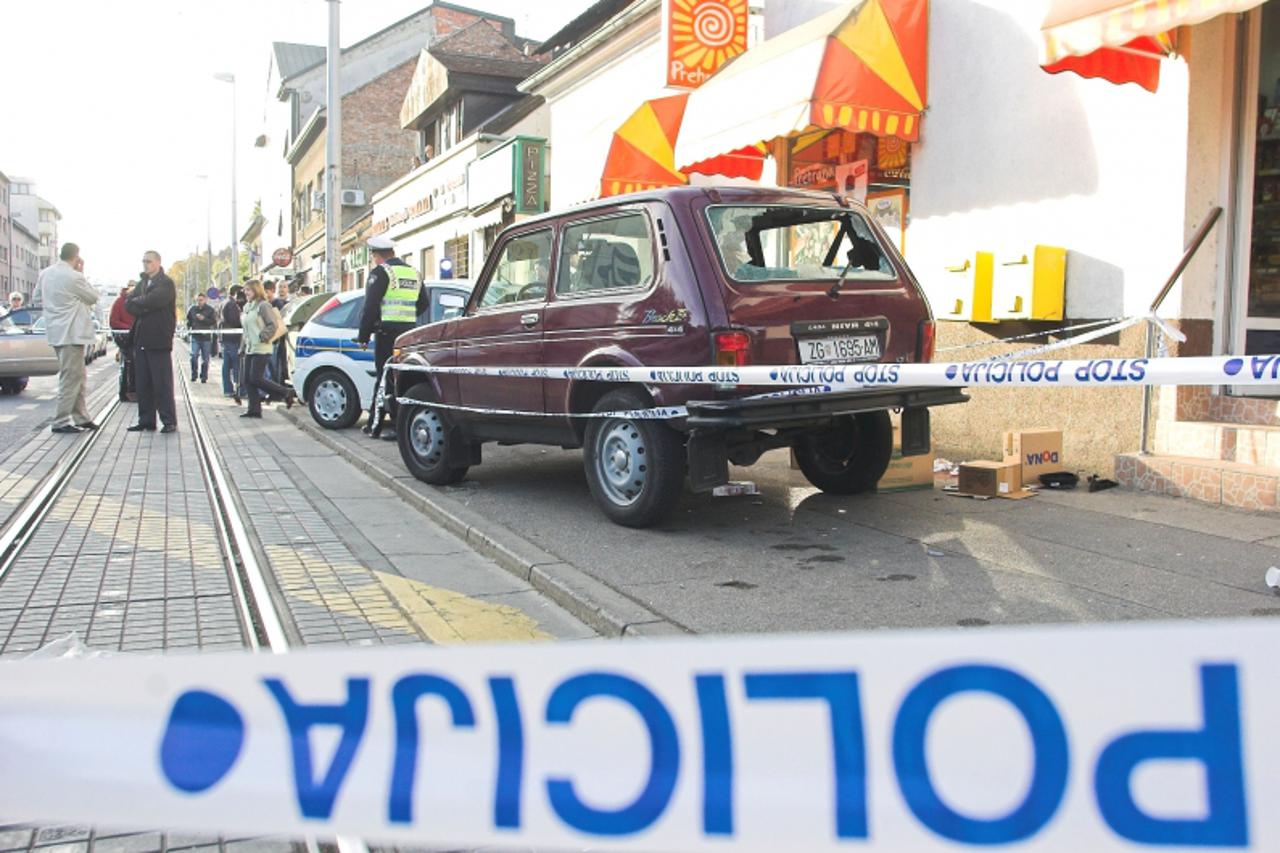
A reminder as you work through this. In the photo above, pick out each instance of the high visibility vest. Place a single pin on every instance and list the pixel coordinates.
(400, 302)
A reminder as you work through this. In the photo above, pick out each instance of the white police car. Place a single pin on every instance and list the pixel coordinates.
(332, 372)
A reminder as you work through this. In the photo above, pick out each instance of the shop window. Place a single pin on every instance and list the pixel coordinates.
(605, 254)
(522, 270)
(1264, 254)
(458, 252)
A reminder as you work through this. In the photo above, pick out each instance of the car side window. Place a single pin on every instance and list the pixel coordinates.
(522, 271)
(606, 253)
(345, 316)
(446, 304)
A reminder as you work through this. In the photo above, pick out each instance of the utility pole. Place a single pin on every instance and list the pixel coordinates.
(227, 77)
(333, 158)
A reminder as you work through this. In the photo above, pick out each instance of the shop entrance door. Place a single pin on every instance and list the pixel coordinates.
(1256, 290)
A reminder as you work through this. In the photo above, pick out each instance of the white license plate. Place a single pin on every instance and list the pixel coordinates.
(839, 349)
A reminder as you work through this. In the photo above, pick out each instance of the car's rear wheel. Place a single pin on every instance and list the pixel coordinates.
(333, 400)
(851, 456)
(15, 385)
(635, 468)
(423, 435)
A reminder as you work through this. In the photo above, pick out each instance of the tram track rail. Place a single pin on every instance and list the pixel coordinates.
(24, 522)
(264, 629)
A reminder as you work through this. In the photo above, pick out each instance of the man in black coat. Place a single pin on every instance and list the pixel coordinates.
(153, 303)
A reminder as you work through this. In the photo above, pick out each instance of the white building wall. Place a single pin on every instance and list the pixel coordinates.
(274, 177)
(1011, 156)
(589, 102)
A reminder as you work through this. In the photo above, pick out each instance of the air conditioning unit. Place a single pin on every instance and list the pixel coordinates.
(352, 198)
(317, 200)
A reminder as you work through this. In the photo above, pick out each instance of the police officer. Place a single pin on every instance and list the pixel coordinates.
(394, 297)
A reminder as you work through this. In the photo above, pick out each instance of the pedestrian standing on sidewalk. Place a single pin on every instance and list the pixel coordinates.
(68, 302)
(259, 323)
(394, 298)
(201, 321)
(230, 327)
(153, 303)
(122, 331)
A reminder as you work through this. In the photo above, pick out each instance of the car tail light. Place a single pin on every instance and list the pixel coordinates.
(926, 341)
(732, 348)
(331, 304)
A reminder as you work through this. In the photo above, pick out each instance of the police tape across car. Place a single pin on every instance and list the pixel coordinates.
(1041, 737)
(1199, 370)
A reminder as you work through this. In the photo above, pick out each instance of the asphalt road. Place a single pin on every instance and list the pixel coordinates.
(35, 407)
(794, 559)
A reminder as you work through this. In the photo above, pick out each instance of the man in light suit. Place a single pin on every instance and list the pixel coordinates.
(68, 301)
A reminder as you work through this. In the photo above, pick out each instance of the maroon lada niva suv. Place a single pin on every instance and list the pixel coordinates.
(676, 278)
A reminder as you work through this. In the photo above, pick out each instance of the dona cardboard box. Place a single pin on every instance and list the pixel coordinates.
(1037, 451)
(906, 472)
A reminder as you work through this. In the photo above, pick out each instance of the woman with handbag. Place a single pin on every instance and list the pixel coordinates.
(121, 322)
(262, 327)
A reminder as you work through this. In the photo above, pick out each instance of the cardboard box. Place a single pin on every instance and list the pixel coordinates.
(1038, 451)
(906, 472)
(990, 479)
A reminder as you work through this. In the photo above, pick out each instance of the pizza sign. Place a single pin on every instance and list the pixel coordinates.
(702, 35)
(282, 257)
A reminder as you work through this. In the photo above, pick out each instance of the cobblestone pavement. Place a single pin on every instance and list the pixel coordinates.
(28, 451)
(129, 559)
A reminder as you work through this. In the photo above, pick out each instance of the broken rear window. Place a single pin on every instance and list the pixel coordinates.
(778, 242)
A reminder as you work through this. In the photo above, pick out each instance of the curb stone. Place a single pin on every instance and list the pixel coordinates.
(600, 606)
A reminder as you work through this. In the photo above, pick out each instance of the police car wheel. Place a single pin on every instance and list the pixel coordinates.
(423, 434)
(333, 400)
(851, 456)
(635, 468)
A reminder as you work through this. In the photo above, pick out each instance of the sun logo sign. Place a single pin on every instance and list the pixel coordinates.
(702, 35)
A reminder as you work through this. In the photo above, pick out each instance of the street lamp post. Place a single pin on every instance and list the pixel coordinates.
(227, 77)
(333, 157)
(208, 238)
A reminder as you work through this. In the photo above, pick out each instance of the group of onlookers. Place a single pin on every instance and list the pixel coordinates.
(249, 326)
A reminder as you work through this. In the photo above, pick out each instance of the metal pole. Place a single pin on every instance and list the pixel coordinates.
(235, 232)
(1197, 240)
(333, 157)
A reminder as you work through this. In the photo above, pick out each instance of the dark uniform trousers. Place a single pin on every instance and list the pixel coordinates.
(154, 371)
(384, 342)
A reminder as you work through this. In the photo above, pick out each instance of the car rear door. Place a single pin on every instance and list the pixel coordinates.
(503, 323)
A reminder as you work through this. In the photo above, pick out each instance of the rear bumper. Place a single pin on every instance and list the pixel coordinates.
(783, 412)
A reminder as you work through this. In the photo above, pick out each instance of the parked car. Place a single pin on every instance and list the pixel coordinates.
(677, 277)
(25, 316)
(332, 372)
(97, 348)
(23, 354)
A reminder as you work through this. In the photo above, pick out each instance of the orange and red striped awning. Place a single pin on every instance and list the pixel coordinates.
(862, 67)
(642, 152)
(1122, 41)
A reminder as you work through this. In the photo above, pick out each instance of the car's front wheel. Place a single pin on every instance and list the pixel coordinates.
(423, 435)
(635, 468)
(333, 400)
(851, 456)
(15, 385)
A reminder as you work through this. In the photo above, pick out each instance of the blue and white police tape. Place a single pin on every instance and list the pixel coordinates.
(1097, 738)
(1096, 372)
(215, 331)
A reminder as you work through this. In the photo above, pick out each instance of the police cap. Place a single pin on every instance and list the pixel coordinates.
(381, 244)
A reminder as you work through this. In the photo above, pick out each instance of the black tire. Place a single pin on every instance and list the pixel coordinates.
(333, 400)
(421, 433)
(17, 386)
(635, 468)
(851, 456)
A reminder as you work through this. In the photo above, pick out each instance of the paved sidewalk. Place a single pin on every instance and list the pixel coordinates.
(352, 563)
(794, 559)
